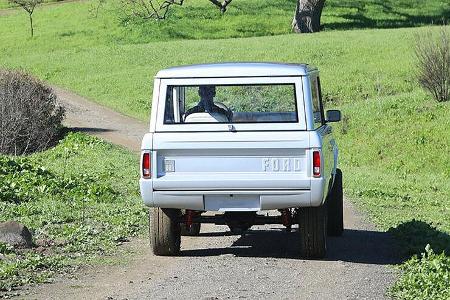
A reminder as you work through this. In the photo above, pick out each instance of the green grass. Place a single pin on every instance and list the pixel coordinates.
(394, 153)
(424, 278)
(78, 199)
(350, 14)
(5, 4)
(120, 76)
(394, 156)
(253, 17)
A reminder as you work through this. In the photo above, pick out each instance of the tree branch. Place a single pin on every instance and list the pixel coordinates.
(148, 9)
(222, 6)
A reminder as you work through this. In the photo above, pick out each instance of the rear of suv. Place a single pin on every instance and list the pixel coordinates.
(228, 141)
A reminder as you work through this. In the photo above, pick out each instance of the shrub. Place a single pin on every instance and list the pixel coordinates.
(427, 277)
(433, 62)
(24, 180)
(30, 118)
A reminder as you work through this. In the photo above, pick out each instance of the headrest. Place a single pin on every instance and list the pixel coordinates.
(205, 117)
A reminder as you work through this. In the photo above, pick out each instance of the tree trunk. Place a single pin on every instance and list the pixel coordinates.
(307, 16)
(31, 25)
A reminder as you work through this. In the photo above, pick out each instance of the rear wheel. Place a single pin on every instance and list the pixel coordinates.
(165, 231)
(335, 207)
(313, 232)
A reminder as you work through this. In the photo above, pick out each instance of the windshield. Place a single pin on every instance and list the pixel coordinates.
(268, 103)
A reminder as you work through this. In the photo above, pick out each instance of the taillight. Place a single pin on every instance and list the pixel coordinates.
(146, 171)
(316, 164)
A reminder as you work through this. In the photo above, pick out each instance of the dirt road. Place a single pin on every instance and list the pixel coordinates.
(261, 264)
(86, 116)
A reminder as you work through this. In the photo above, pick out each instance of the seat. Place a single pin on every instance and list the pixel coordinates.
(205, 117)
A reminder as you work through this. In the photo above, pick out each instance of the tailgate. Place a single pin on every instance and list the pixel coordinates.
(231, 160)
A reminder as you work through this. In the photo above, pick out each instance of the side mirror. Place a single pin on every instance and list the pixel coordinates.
(333, 115)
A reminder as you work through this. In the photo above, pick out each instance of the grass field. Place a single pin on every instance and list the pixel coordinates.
(267, 17)
(78, 199)
(120, 76)
(394, 141)
(5, 4)
(395, 157)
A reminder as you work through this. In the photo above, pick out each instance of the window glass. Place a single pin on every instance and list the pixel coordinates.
(269, 103)
(317, 108)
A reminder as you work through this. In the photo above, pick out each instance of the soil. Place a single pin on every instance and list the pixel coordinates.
(261, 263)
(87, 116)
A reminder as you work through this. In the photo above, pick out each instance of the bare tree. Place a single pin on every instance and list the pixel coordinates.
(433, 63)
(306, 18)
(28, 6)
(151, 9)
(222, 6)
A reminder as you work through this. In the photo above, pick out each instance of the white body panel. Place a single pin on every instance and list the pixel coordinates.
(192, 127)
(253, 167)
(236, 70)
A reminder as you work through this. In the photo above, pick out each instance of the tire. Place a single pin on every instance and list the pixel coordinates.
(313, 232)
(335, 207)
(193, 231)
(165, 231)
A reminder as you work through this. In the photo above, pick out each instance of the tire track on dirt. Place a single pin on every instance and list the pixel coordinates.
(87, 116)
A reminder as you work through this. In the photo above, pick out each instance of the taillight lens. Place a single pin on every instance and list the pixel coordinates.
(316, 164)
(146, 171)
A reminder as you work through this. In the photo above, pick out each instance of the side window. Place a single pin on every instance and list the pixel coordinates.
(168, 113)
(317, 103)
(174, 107)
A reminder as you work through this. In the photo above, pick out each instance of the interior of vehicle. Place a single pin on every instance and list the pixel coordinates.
(231, 104)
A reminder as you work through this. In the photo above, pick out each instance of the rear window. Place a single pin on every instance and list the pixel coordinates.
(268, 103)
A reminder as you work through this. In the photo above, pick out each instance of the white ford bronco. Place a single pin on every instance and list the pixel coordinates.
(230, 140)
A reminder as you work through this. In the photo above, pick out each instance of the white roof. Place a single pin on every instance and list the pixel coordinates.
(243, 69)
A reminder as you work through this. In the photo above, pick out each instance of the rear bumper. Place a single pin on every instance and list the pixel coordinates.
(232, 200)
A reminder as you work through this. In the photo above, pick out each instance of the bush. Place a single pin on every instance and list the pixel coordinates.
(427, 277)
(30, 118)
(433, 62)
(24, 180)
